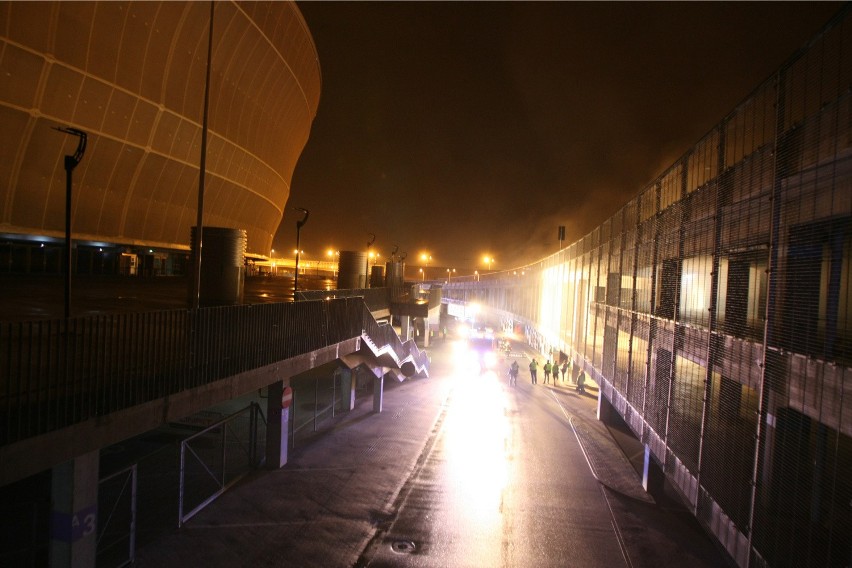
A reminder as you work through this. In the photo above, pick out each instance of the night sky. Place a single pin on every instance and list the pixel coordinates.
(470, 128)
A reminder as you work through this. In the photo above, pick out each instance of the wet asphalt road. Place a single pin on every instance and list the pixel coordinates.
(459, 470)
(526, 476)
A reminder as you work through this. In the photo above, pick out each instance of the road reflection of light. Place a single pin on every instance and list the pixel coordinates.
(465, 362)
(478, 453)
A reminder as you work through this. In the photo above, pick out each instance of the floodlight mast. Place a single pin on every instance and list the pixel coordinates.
(71, 162)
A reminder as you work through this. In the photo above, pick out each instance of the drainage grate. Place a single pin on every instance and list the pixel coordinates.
(403, 546)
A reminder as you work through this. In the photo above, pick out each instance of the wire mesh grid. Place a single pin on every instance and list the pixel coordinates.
(718, 304)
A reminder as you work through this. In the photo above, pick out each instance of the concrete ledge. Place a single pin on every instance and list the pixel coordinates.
(30, 456)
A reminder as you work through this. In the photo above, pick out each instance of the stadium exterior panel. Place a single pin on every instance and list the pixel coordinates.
(132, 75)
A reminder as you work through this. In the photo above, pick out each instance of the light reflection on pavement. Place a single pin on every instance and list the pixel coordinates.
(477, 449)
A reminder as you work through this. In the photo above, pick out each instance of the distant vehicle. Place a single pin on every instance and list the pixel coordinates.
(483, 353)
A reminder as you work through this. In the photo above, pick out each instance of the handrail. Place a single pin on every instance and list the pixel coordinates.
(54, 373)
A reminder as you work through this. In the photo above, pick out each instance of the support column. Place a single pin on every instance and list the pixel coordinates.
(767, 456)
(405, 327)
(653, 477)
(605, 409)
(74, 512)
(277, 426)
(347, 389)
(378, 390)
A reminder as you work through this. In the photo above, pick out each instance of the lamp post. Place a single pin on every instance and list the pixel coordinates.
(71, 162)
(450, 274)
(488, 260)
(422, 275)
(299, 225)
(425, 258)
(195, 300)
(367, 260)
(334, 262)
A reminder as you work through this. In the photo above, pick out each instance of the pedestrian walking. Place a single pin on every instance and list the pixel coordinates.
(513, 374)
(581, 383)
(547, 368)
(533, 371)
(564, 370)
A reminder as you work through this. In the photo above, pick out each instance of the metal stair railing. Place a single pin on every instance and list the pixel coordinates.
(57, 373)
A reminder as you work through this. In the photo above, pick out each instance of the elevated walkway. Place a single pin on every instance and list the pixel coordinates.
(68, 389)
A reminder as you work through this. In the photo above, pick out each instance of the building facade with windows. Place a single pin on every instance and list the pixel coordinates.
(132, 76)
(715, 312)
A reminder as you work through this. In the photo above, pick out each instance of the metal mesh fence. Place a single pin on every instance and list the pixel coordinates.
(717, 308)
(217, 457)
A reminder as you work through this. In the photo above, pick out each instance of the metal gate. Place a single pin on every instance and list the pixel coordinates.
(217, 457)
(117, 524)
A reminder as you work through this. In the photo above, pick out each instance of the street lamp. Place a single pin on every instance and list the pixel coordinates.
(331, 254)
(71, 162)
(450, 274)
(422, 275)
(425, 258)
(299, 225)
(488, 260)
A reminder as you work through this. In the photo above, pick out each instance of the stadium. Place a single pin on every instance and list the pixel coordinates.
(131, 76)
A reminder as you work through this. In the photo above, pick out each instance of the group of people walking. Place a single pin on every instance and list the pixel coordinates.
(550, 369)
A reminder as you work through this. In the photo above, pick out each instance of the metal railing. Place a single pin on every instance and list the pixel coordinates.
(117, 518)
(57, 373)
(215, 458)
(375, 298)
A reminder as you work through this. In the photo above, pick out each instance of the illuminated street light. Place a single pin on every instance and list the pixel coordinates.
(422, 275)
(71, 162)
(334, 255)
(450, 274)
(299, 224)
(488, 260)
(426, 259)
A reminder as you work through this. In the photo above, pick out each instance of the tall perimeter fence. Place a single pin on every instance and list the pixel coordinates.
(715, 312)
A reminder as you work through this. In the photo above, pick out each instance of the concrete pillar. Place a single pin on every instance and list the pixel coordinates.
(605, 409)
(405, 327)
(74, 512)
(378, 390)
(346, 384)
(653, 477)
(277, 426)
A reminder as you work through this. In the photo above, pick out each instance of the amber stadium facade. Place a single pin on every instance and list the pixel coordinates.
(132, 77)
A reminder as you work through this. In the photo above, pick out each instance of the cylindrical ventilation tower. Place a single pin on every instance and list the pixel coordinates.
(395, 278)
(377, 276)
(222, 266)
(352, 270)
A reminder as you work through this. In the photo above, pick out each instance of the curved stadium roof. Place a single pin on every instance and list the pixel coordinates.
(131, 75)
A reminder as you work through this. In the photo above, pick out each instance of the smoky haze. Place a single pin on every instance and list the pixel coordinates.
(470, 128)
